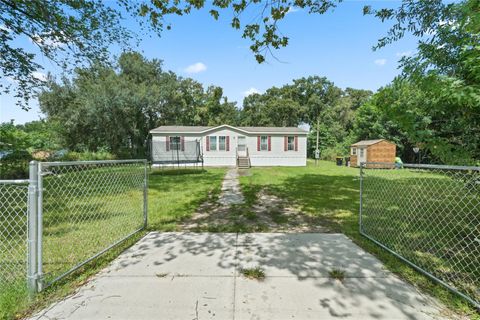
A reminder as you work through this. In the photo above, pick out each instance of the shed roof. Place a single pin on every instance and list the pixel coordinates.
(368, 142)
(203, 129)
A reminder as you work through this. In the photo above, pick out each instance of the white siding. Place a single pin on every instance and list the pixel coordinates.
(275, 157)
(220, 158)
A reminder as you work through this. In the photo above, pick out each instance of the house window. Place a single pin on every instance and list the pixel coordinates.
(222, 143)
(361, 152)
(354, 151)
(213, 143)
(264, 143)
(291, 143)
(174, 143)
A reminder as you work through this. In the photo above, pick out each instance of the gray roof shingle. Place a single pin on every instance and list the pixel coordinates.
(200, 129)
(180, 129)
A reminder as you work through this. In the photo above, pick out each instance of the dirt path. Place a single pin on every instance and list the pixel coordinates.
(268, 213)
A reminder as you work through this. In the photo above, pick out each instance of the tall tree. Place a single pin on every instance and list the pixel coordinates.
(437, 100)
(315, 94)
(79, 32)
(276, 107)
(65, 32)
(114, 108)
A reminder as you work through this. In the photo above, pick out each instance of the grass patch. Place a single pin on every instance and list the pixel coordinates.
(176, 172)
(15, 304)
(234, 227)
(87, 197)
(13, 297)
(162, 275)
(337, 274)
(256, 273)
(278, 217)
(175, 195)
(330, 194)
(250, 215)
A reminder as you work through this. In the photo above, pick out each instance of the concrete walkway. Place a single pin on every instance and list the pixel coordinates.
(197, 276)
(231, 193)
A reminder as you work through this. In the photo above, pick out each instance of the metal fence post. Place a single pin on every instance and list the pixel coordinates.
(39, 228)
(32, 229)
(427, 216)
(361, 200)
(145, 196)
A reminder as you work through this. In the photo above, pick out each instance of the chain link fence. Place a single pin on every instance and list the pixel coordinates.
(87, 207)
(428, 216)
(65, 215)
(13, 234)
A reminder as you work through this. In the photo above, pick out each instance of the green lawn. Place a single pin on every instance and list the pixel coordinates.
(84, 212)
(331, 194)
(326, 192)
(175, 194)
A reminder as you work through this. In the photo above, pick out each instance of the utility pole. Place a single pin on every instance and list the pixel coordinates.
(317, 152)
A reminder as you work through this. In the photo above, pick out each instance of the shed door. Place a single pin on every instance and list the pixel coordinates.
(362, 155)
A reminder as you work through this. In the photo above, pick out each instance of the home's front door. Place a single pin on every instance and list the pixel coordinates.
(242, 146)
(362, 156)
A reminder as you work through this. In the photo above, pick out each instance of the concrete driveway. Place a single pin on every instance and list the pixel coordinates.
(197, 276)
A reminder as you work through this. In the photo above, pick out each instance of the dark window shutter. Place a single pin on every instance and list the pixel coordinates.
(296, 143)
(285, 143)
(269, 143)
(167, 143)
(258, 143)
(228, 143)
(208, 143)
(182, 142)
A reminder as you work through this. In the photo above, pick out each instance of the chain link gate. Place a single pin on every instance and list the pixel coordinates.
(13, 234)
(65, 215)
(429, 217)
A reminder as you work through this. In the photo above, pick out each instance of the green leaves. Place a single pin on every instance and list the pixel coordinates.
(113, 108)
(235, 23)
(436, 103)
(263, 16)
(214, 14)
(65, 32)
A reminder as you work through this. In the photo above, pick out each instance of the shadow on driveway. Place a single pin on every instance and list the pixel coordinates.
(196, 276)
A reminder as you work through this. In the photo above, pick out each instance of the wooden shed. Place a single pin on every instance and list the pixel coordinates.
(378, 150)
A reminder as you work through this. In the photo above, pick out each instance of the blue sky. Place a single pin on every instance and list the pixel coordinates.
(337, 45)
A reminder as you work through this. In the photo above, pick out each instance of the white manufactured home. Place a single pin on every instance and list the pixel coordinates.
(227, 145)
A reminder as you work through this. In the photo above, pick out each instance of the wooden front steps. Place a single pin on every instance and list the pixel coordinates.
(243, 162)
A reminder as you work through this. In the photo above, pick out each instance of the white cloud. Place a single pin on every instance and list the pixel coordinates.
(4, 28)
(250, 91)
(404, 54)
(11, 79)
(195, 68)
(450, 23)
(380, 62)
(292, 10)
(47, 40)
(39, 75)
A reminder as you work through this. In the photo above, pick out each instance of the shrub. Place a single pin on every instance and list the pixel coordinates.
(82, 156)
(14, 164)
(328, 154)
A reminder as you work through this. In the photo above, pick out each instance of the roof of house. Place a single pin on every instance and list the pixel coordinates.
(368, 142)
(203, 129)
